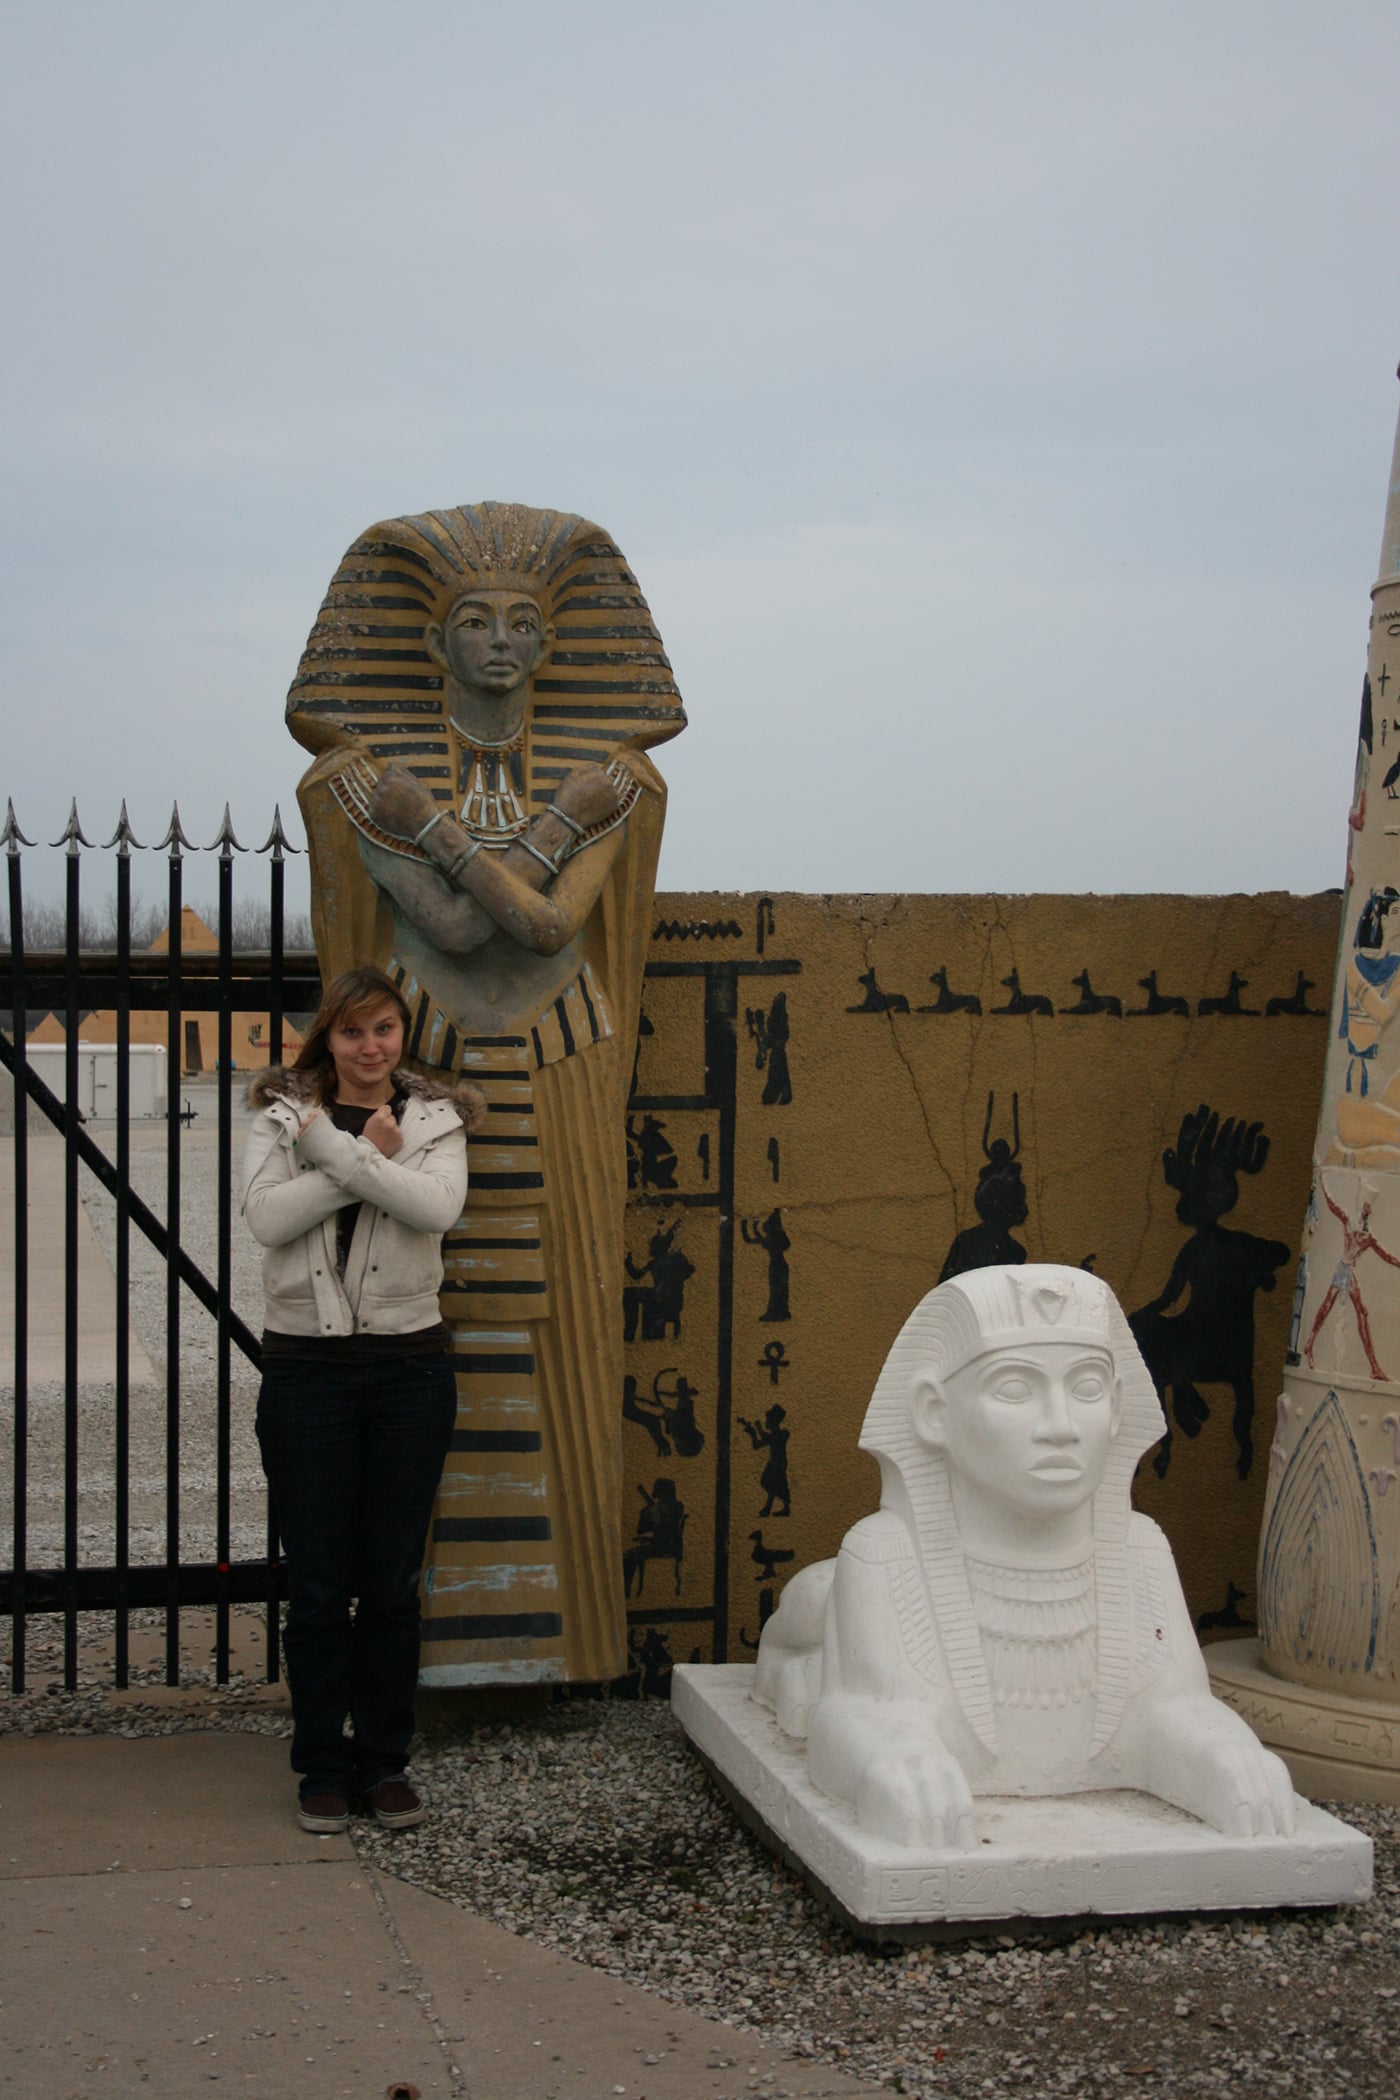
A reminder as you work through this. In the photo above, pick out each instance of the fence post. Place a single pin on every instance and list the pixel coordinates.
(176, 842)
(72, 838)
(13, 839)
(227, 846)
(278, 845)
(123, 838)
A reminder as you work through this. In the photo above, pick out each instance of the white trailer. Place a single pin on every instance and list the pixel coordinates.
(97, 1078)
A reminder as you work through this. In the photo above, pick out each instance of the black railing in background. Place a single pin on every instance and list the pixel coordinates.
(19, 1000)
(73, 981)
(277, 872)
(72, 841)
(177, 844)
(123, 840)
(228, 846)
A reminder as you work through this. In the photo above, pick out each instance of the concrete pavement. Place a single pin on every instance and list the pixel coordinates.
(167, 1927)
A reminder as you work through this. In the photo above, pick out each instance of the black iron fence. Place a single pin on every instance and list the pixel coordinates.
(73, 982)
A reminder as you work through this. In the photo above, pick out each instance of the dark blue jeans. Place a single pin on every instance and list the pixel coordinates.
(353, 1453)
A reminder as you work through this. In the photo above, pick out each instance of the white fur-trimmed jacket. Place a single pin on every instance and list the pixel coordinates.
(294, 1182)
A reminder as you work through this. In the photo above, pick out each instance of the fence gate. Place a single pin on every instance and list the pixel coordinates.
(74, 982)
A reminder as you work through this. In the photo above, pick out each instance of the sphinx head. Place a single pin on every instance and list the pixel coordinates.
(1019, 1394)
(1027, 1423)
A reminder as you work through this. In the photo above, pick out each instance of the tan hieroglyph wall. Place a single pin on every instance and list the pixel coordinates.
(777, 1244)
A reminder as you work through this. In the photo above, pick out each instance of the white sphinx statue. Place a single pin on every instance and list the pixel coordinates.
(1005, 1624)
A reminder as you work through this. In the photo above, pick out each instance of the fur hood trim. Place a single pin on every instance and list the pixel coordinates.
(285, 1083)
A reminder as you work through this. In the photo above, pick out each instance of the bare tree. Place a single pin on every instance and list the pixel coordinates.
(252, 924)
(46, 924)
(148, 921)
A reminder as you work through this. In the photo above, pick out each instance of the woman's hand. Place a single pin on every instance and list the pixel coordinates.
(402, 805)
(307, 1120)
(383, 1132)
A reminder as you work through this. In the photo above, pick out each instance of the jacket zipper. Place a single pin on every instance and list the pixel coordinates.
(355, 1323)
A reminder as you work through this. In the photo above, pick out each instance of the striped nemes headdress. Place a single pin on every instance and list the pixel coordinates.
(365, 674)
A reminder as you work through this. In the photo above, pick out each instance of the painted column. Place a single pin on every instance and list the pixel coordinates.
(1325, 1683)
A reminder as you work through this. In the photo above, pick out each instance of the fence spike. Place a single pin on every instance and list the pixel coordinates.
(225, 839)
(175, 836)
(277, 842)
(12, 838)
(72, 835)
(124, 838)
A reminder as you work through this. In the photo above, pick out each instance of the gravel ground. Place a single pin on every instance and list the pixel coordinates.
(594, 1830)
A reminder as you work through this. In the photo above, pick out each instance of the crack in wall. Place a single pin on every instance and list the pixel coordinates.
(868, 931)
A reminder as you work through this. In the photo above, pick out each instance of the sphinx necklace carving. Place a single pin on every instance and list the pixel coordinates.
(1038, 1632)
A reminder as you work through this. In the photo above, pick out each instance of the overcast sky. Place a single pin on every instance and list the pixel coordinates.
(996, 403)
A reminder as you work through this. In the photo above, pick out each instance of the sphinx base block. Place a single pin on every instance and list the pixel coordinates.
(1078, 1855)
(1338, 1749)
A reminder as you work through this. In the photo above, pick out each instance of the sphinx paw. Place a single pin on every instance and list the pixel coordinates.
(917, 1798)
(1245, 1790)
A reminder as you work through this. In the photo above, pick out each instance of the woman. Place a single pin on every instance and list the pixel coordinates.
(354, 1170)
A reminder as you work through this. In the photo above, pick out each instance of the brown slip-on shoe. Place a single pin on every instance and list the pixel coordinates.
(327, 1813)
(395, 1804)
